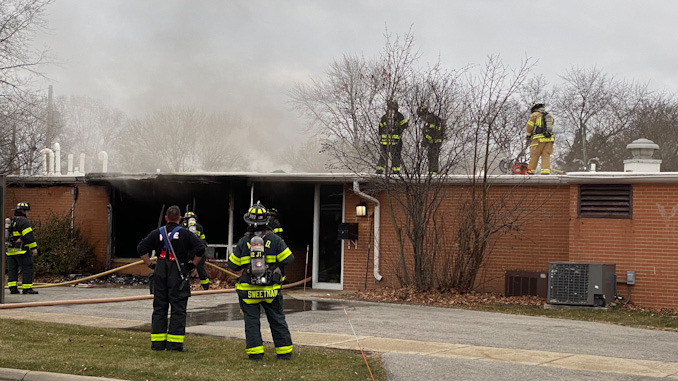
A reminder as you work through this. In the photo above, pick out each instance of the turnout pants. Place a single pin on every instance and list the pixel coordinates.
(541, 150)
(276, 321)
(394, 151)
(23, 262)
(433, 157)
(202, 273)
(169, 295)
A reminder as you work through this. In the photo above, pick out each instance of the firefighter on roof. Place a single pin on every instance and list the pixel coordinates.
(171, 287)
(191, 223)
(433, 135)
(262, 256)
(21, 248)
(540, 138)
(391, 128)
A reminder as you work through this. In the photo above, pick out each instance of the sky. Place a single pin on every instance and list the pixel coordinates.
(244, 56)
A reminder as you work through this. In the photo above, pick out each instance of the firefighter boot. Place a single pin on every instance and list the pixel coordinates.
(13, 290)
(206, 286)
(29, 291)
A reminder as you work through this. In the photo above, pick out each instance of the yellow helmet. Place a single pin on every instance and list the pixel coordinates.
(256, 215)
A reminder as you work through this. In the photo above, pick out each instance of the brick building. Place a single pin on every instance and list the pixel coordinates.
(627, 219)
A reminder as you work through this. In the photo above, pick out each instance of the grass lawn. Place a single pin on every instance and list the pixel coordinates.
(645, 318)
(65, 348)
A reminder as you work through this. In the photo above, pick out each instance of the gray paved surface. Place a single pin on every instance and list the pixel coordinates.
(419, 343)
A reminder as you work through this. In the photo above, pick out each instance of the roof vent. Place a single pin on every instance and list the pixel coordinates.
(642, 151)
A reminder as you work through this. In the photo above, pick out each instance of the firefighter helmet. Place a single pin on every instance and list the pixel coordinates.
(189, 215)
(392, 105)
(256, 215)
(273, 212)
(423, 110)
(536, 106)
(23, 206)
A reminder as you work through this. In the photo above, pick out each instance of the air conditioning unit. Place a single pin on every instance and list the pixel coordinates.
(581, 284)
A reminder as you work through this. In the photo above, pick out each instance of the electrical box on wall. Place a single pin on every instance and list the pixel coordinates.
(348, 231)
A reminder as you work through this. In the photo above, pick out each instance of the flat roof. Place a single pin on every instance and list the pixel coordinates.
(333, 178)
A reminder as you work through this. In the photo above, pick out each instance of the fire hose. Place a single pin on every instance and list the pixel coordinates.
(70, 282)
(126, 298)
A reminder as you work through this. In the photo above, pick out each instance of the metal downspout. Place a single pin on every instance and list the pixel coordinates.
(377, 224)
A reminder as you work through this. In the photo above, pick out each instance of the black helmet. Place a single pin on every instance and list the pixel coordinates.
(256, 215)
(423, 110)
(189, 215)
(536, 106)
(23, 206)
(392, 104)
(273, 212)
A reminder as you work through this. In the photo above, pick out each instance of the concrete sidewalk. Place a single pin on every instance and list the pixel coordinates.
(416, 342)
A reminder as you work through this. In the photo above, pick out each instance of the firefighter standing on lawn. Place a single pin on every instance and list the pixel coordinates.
(171, 287)
(541, 142)
(262, 256)
(21, 248)
(191, 223)
(391, 128)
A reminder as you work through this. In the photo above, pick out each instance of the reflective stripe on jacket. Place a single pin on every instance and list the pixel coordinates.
(536, 120)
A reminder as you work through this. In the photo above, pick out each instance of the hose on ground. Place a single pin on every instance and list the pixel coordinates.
(70, 282)
(126, 298)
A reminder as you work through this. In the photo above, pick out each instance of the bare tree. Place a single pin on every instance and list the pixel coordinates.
(479, 115)
(493, 108)
(180, 139)
(90, 127)
(20, 110)
(594, 108)
(305, 157)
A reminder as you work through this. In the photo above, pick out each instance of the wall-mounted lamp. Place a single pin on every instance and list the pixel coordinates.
(361, 209)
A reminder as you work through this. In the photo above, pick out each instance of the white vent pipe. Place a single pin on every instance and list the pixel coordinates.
(70, 165)
(57, 158)
(103, 156)
(82, 163)
(47, 159)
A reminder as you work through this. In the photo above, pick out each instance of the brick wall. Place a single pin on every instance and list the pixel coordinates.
(646, 244)
(540, 236)
(90, 211)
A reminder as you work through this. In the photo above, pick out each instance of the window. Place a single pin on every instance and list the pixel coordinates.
(605, 201)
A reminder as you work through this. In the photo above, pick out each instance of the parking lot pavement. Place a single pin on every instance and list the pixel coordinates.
(416, 342)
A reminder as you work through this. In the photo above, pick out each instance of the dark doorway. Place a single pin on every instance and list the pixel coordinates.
(329, 246)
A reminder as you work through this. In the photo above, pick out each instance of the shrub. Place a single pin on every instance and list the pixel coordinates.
(62, 249)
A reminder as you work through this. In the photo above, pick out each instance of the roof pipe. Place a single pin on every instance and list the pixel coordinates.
(81, 169)
(57, 158)
(377, 225)
(47, 158)
(69, 170)
(103, 156)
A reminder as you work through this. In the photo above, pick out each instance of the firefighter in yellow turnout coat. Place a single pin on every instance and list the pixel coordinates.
(263, 256)
(541, 140)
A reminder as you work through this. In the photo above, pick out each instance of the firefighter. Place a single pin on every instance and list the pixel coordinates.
(274, 221)
(191, 223)
(433, 135)
(263, 256)
(21, 248)
(391, 128)
(171, 287)
(541, 142)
